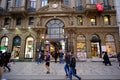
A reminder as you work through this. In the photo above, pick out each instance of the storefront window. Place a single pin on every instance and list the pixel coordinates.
(29, 47)
(4, 44)
(110, 45)
(81, 47)
(16, 47)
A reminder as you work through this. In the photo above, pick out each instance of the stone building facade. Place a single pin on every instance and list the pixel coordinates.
(29, 26)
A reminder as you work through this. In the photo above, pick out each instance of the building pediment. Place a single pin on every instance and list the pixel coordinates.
(55, 8)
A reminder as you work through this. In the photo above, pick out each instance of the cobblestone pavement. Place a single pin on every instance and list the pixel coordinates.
(87, 70)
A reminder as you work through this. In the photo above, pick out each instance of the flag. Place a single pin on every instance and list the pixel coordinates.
(99, 7)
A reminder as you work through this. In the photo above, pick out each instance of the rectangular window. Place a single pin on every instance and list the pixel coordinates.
(8, 5)
(7, 21)
(18, 3)
(93, 21)
(107, 20)
(67, 2)
(80, 20)
(31, 20)
(44, 2)
(78, 3)
(18, 21)
(32, 3)
(105, 2)
(93, 1)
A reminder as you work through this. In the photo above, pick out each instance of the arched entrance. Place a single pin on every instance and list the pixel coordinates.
(55, 36)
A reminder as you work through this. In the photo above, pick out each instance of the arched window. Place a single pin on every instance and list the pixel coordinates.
(110, 45)
(55, 29)
(81, 47)
(29, 47)
(4, 44)
(16, 47)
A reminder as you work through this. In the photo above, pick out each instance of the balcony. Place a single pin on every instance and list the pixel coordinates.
(90, 8)
(79, 8)
(18, 10)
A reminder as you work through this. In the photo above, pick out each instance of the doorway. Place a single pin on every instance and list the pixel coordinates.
(95, 49)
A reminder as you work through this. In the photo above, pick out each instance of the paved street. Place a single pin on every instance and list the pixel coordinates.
(87, 70)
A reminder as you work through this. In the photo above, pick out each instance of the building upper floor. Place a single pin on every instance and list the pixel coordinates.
(75, 13)
(35, 5)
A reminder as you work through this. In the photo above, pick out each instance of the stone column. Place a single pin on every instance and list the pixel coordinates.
(88, 45)
(22, 49)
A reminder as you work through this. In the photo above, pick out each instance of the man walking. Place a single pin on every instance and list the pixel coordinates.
(67, 63)
(72, 68)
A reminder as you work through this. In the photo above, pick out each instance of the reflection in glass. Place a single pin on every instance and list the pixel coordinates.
(29, 47)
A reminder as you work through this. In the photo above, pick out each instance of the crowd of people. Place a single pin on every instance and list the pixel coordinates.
(67, 58)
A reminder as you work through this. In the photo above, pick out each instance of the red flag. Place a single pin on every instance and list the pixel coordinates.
(99, 7)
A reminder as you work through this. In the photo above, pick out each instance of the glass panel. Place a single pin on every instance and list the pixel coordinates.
(18, 3)
(67, 2)
(106, 2)
(80, 20)
(106, 20)
(78, 2)
(44, 2)
(81, 47)
(93, 1)
(110, 46)
(55, 29)
(8, 5)
(16, 47)
(4, 44)
(29, 47)
(33, 3)
(93, 21)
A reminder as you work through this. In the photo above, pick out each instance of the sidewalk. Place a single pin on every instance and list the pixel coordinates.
(87, 70)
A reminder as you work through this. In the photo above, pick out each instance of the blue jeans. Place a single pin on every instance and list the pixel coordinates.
(61, 60)
(72, 72)
(66, 68)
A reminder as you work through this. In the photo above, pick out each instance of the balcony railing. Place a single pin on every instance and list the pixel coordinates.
(90, 7)
(17, 9)
(79, 8)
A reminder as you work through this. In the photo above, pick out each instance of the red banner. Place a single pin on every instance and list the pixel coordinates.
(99, 7)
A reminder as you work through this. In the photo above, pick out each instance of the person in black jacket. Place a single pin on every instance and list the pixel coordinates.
(1, 64)
(106, 59)
(67, 63)
(7, 56)
(118, 57)
(72, 68)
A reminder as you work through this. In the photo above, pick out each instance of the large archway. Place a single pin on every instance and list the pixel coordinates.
(55, 36)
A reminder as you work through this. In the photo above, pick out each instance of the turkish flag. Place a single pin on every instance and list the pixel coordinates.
(99, 7)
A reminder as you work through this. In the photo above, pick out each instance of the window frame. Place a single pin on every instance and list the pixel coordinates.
(31, 20)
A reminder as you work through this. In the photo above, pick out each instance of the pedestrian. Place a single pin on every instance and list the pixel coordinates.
(47, 60)
(56, 56)
(61, 54)
(118, 57)
(1, 64)
(67, 63)
(7, 56)
(106, 59)
(72, 67)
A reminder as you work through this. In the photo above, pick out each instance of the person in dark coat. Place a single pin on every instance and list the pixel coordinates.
(106, 59)
(7, 60)
(118, 57)
(56, 56)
